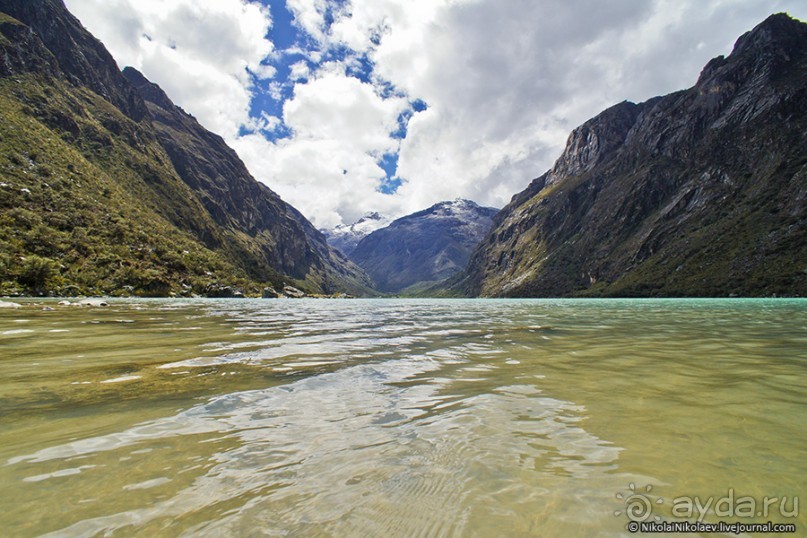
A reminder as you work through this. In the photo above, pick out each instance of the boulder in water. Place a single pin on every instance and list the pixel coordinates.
(291, 291)
(270, 293)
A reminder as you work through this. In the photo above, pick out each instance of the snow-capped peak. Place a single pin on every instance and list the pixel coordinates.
(345, 237)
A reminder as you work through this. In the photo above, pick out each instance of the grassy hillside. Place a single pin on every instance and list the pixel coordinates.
(83, 196)
(102, 192)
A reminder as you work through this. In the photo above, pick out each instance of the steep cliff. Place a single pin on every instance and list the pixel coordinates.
(106, 186)
(698, 193)
(264, 232)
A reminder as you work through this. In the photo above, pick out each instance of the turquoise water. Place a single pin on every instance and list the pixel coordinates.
(397, 417)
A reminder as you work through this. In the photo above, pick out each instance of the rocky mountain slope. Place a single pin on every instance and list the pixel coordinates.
(345, 237)
(109, 187)
(424, 247)
(698, 193)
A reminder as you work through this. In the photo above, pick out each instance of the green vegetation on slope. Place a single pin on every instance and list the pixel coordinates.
(83, 193)
(104, 192)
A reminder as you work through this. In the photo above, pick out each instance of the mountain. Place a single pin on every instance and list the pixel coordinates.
(265, 232)
(108, 187)
(345, 237)
(424, 247)
(698, 193)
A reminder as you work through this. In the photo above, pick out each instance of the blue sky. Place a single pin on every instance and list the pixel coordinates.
(270, 95)
(349, 106)
(292, 43)
(285, 36)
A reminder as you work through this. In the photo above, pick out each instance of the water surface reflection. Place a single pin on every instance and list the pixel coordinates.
(399, 417)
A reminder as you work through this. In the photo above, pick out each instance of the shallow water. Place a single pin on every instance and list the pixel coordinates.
(396, 417)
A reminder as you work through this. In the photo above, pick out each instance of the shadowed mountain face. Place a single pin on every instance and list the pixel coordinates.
(698, 193)
(272, 230)
(83, 60)
(424, 247)
(108, 186)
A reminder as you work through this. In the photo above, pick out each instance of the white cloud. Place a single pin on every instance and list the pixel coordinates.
(329, 168)
(337, 107)
(270, 122)
(198, 51)
(326, 178)
(263, 71)
(299, 71)
(507, 80)
(276, 90)
(504, 80)
(309, 15)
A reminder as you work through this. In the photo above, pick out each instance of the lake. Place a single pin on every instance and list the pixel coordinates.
(400, 417)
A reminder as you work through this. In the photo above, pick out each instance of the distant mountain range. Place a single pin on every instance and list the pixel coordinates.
(421, 249)
(345, 237)
(108, 187)
(702, 192)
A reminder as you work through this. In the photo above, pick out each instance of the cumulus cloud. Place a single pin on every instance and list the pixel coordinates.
(203, 53)
(309, 15)
(326, 178)
(504, 81)
(335, 106)
(299, 70)
(329, 167)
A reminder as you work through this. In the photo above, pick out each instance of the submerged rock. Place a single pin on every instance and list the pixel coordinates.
(6, 304)
(93, 302)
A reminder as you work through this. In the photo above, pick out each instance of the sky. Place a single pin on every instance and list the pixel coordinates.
(344, 107)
